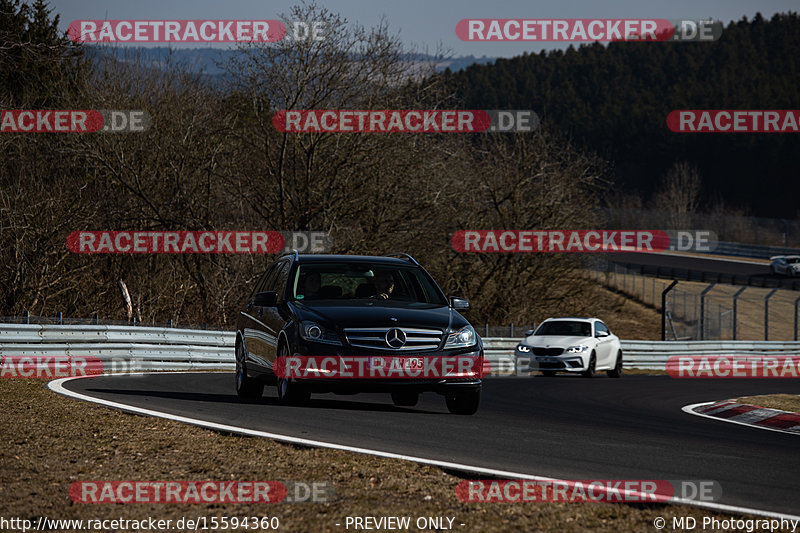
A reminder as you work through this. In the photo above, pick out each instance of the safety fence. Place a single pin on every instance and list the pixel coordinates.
(712, 311)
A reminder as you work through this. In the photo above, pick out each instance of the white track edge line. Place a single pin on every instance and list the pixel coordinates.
(58, 387)
(690, 410)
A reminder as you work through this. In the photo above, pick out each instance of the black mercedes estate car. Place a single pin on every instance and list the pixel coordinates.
(359, 309)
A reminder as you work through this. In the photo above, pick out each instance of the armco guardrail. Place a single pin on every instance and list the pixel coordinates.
(123, 348)
(133, 349)
(653, 355)
(52, 333)
(751, 250)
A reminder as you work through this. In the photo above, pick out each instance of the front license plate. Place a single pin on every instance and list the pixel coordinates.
(406, 363)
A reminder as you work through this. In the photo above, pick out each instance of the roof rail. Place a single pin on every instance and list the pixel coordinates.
(293, 251)
(403, 255)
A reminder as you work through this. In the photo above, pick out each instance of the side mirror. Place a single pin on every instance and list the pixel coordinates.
(459, 304)
(265, 299)
(601, 334)
(529, 332)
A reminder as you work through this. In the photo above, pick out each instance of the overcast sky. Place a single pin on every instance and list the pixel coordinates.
(426, 23)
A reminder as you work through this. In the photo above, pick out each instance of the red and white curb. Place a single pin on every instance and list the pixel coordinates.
(747, 415)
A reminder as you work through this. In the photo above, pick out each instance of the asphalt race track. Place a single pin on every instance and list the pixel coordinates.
(566, 427)
(717, 265)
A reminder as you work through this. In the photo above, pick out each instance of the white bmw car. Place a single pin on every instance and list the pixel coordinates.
(787, 265)
(577, 345)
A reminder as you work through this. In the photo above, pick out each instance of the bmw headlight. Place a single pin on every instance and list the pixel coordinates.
(577, 349)
(462, 338)
(311, 331)
(524, 349)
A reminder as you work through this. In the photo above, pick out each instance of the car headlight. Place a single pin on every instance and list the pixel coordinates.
(524, 349)
(577, 349)
(311, 331)
(462, 338)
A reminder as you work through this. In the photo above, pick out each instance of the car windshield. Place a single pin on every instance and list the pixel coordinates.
(364, 281)
(565, 328)
(793, 259)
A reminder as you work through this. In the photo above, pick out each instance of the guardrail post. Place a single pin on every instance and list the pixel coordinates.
(684, 305)
(664, 309)
(735, 308)
(512, 329)
(169, 323)
(766, 313)
(60, 318)
(27, 316)
(95, 319)
(796, 303)
(644, 289)
(703, 311)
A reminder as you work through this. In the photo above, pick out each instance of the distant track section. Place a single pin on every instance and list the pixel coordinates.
(696, 268)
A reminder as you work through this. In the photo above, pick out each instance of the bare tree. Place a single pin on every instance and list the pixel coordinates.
(679, 194)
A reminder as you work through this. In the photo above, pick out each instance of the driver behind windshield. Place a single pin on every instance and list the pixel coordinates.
(384, 284)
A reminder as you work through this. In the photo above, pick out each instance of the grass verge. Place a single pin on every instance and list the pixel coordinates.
(784, 402)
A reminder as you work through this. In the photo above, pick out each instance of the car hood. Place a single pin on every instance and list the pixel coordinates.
(374, 314)
(557, 341)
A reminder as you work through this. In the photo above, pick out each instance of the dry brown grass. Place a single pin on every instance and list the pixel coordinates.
(627, 318)
(784, 402)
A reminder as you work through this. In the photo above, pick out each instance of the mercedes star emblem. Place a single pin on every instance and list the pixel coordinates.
(395, 338)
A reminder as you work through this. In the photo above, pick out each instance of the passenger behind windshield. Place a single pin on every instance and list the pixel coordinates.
(312, 284)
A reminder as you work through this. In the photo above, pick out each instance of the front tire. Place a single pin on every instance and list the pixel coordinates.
(617, 371)
(463, 402)
(289, 392)
(246, 387)
(589, 372)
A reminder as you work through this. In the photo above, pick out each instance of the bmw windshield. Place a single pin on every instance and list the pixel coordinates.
(565, 328)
